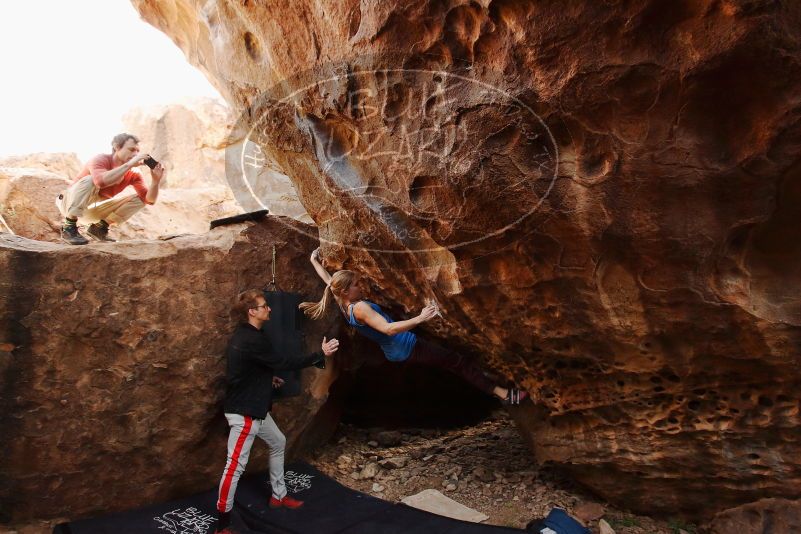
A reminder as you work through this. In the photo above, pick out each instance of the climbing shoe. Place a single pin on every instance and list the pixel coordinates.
(515, 396)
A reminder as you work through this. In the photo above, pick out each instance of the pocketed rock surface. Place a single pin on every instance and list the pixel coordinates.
(484, 466)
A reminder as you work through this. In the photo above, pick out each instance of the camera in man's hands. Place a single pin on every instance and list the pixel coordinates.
(150, 162)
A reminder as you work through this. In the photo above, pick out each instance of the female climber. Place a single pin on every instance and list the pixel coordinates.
(395, 337)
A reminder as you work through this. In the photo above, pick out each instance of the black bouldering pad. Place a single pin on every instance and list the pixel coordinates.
(253, 216)
(191, 515)
(329, 508)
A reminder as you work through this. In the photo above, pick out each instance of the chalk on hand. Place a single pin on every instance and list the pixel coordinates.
(432, 302)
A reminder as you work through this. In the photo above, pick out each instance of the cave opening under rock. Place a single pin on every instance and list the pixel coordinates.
(404, 395)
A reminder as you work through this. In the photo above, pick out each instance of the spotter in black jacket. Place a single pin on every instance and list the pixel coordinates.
(250, 369)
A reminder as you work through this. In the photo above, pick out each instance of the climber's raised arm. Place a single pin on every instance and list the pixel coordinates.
(318, 266)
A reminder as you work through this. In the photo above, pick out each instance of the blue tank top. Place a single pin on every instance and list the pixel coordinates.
(396, 348)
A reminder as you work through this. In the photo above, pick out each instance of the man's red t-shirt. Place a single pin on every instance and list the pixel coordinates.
(102, 163)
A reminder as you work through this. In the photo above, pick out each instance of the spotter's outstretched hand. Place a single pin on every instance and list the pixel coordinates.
(330, 347)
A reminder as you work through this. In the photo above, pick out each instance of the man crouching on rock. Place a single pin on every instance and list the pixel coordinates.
(91, 195)
(248, 399)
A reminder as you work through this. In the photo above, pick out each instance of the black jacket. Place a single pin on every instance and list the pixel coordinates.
(250, 368)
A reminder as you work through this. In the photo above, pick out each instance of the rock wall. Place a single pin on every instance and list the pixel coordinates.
(602, 196)
(112, 367)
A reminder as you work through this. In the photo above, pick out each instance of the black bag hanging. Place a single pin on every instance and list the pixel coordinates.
(285, 330)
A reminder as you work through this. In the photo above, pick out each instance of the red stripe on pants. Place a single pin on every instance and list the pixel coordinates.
(229, 474)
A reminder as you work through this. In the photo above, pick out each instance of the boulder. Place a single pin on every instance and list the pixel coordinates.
(112, 366)
(601, 196)
(65, 164)
(761, 517)
(27, 202)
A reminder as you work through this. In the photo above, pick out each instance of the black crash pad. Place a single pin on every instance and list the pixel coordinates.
(330, 508)
(191, 515)
(254, 216)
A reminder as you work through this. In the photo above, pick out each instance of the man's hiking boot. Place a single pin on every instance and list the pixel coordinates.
(71, 235)
(99, 232)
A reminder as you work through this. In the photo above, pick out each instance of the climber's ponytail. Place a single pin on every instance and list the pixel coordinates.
(340, 282)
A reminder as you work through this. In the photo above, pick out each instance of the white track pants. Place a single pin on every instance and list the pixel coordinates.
(243, 432)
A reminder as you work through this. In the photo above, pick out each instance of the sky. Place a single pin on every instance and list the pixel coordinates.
(71, 69)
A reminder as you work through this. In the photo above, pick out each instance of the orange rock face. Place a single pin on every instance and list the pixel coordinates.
(603, 197)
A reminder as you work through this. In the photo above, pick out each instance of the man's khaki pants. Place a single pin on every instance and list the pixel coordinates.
(82, 200)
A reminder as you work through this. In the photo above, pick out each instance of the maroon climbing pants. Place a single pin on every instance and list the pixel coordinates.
(427, 353)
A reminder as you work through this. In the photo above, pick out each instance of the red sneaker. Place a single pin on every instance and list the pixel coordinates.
(286, 502)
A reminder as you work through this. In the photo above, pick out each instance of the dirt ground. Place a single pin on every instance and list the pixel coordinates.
(486, 466)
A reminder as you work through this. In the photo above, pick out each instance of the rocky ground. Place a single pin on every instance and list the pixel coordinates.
(486, 466)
